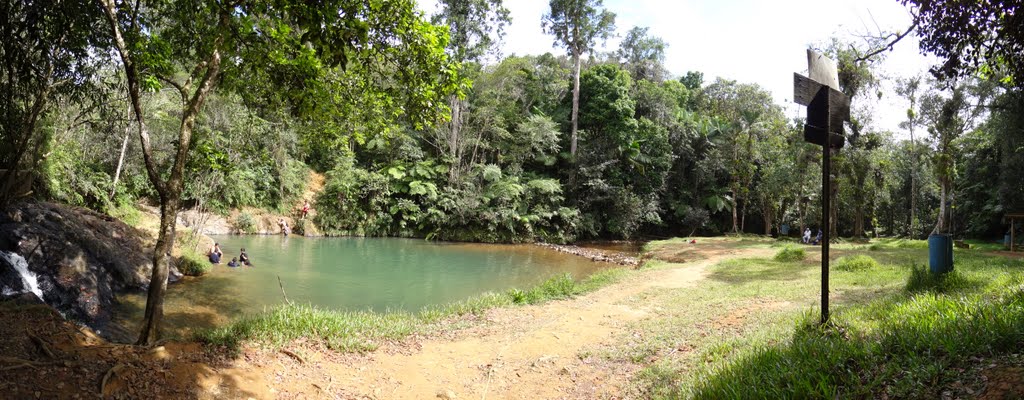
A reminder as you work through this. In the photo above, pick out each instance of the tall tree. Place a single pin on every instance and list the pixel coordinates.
(909, 88)
(577, 25)
(474, 27)
(212, 40)
(643, 55)
(949, 116)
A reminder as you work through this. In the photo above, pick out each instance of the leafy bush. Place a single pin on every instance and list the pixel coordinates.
(856, 263)
(192, 263)
(790, 254)
(245, 223)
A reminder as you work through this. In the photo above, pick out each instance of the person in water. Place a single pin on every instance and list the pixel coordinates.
(244, 258)
(234, 263)
(216, 249)
(284, 226)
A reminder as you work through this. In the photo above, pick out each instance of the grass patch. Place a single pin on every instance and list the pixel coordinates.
(889, 244)
(126, 212)
(790, 253)
(360, 331)
(923, 280)
(192, 263)
(896, 331)
(860, 262)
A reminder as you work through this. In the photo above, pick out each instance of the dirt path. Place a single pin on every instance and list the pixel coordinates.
(533, 352)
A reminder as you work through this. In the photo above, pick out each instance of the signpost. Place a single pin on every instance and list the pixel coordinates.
(827, 109)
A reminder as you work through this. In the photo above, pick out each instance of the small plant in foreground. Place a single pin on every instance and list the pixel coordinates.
(789, 254)
(856, 263)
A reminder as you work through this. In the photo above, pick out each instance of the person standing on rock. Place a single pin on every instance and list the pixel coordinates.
(305, 208)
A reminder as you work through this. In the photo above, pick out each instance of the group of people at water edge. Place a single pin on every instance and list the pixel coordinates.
(216, 254)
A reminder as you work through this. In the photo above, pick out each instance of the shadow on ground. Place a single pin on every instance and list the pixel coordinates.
(45, 356)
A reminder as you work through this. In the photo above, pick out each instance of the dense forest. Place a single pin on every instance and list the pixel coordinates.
(423, 129)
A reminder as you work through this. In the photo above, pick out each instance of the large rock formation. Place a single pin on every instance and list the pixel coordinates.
(78, 259)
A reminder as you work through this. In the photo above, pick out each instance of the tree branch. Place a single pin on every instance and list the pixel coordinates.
(888, 46)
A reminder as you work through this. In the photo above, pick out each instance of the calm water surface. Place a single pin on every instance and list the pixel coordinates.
(347, 273)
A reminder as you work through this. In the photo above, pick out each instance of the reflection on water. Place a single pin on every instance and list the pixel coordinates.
(346, 273)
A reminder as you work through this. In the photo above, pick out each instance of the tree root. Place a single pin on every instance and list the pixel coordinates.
(110, 374)
(41, 344)
(18, 363)
(294, 355)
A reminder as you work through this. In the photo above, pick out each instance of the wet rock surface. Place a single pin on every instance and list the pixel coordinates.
(595, 254)
(78, 258)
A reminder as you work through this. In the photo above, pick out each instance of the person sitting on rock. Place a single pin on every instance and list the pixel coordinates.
(244, 258)
(233, 263)
(284, 226)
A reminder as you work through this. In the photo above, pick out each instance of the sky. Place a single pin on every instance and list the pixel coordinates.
(750, 41)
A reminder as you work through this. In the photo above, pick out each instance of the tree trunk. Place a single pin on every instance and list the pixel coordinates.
(858, 212)
(161, 266)
(913, 185)
(120, 160)
(735, 216)
(940, 225)
(453, 138)
(575, 102)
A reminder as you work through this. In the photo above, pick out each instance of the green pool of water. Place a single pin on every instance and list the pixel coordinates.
(346, 273)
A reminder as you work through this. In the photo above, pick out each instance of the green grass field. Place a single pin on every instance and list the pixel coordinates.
(751, 329)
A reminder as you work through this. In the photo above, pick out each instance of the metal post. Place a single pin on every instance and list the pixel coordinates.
(826, 200)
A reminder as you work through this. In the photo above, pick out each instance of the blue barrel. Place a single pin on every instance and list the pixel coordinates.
(784, 229)
(940, 253)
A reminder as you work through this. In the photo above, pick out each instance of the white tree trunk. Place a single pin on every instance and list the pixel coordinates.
(575, 103)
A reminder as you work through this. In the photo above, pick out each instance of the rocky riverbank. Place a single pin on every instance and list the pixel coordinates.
(72, 258)
(600, 255)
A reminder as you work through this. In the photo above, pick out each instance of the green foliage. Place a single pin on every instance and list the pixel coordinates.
(412, 199)
(245, 223)
(790, 254)
(858, 262)
(192, 263)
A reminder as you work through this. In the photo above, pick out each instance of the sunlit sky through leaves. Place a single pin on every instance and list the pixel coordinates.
(754, 41)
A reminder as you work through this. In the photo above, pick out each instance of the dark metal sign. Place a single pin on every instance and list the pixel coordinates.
(827, 109)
